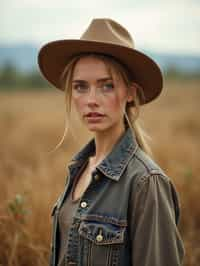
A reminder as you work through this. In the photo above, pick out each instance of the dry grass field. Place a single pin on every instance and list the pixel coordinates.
(32, 123)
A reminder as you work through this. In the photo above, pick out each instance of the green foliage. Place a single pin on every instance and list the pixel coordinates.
(17, 208)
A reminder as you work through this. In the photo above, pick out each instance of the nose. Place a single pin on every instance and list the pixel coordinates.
(92, 97)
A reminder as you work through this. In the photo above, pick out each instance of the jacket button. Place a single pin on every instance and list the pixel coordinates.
(83, 204)
(99, 238)
(96, 177)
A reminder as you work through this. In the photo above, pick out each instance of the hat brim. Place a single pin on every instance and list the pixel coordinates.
(54, 56)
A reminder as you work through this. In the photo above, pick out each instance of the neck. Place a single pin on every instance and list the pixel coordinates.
(104, 142)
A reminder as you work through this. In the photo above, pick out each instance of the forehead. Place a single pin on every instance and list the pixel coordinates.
(92, 67)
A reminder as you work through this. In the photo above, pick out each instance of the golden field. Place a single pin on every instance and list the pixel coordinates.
(31, 179)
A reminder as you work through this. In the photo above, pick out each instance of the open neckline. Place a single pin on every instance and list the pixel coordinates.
(76, 181)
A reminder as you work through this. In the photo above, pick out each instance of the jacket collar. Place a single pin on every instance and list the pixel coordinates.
(115, 162)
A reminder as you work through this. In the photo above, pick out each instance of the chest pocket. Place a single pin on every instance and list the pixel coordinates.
(102, 233)
(104, 243)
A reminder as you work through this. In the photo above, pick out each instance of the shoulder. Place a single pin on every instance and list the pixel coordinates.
(151, 184)
(142, 165)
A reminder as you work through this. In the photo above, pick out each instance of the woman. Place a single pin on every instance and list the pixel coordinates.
(118, 206)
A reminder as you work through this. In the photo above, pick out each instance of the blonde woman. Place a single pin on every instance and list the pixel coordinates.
(118, 206)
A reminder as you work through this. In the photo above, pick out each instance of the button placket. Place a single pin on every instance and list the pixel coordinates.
(72, 249)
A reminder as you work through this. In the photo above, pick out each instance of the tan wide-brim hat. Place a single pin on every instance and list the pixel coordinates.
(108, 37)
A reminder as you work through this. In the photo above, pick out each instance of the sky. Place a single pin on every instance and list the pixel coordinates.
(159, 25)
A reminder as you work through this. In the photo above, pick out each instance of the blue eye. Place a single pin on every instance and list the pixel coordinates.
(108, 86)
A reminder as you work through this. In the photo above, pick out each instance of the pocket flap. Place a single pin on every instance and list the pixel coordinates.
(102, 233)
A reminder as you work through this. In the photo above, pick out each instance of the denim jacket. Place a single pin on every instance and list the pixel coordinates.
(128, 215)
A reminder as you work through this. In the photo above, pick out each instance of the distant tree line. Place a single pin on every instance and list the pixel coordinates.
(11, 78)
(173, 72)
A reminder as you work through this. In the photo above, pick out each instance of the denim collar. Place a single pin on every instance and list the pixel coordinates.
(116, 161)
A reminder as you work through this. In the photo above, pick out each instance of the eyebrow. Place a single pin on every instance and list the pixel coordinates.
(98, 80)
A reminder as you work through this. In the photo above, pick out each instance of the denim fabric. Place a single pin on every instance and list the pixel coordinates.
(127, 216)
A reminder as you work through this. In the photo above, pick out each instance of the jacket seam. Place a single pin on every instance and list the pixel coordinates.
(144, 179)
(139, 159)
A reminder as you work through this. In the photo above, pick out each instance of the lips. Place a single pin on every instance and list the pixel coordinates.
(94, 114)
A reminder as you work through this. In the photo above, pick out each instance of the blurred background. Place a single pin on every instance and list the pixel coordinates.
(32, 113)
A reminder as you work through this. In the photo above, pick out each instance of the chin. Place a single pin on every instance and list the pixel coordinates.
(99, 128)
(96, 129)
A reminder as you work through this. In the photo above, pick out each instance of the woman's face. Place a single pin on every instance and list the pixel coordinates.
(94, 91)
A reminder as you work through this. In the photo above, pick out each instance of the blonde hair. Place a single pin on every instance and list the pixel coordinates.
(132, 110)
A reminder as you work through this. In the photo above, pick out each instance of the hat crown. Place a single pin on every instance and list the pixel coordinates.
(107, 30)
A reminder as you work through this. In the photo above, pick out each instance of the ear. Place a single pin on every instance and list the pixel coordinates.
(131, 92)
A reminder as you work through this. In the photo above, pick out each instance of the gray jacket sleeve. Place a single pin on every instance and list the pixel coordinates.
(154, 216)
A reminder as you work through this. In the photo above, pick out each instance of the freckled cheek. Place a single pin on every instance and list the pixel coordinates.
(114, 104)
(78, 103)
